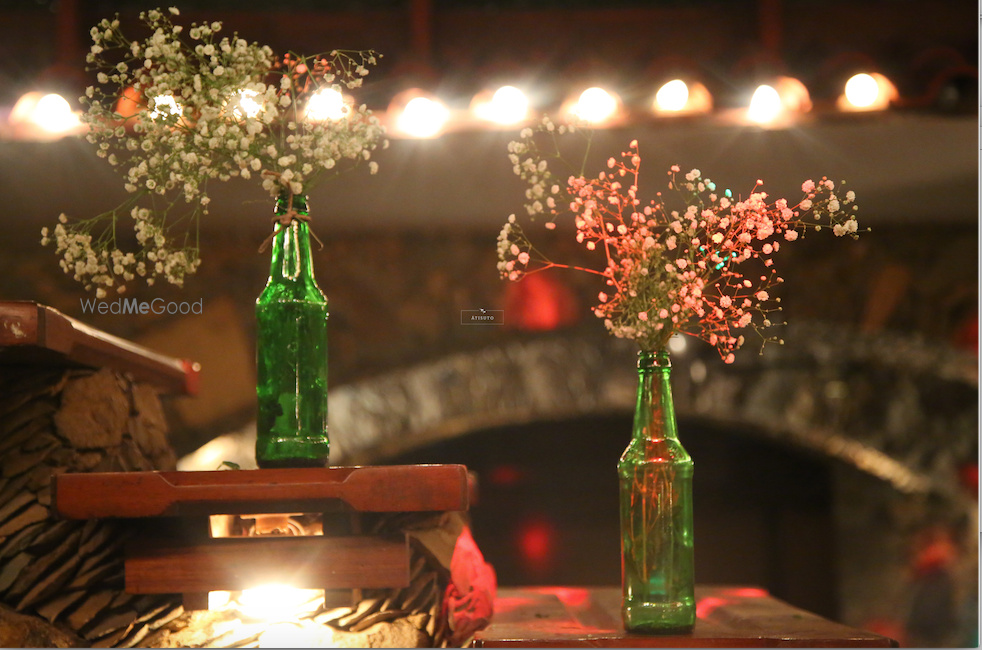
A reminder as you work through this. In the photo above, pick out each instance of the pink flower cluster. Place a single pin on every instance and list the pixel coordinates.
(706, 269)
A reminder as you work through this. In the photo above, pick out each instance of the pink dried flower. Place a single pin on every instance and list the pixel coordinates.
(696, 261)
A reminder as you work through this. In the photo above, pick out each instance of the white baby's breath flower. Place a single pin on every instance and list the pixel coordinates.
(173, 158)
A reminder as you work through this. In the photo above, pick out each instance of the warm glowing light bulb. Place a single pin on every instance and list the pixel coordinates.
(595, 105)
(53, 114)
(862, 90)
(278, 602)
(326, 104)
(165, 105)
(673, 96)
(423, 118)
(765, 105)
(246, 104)
(508, 106)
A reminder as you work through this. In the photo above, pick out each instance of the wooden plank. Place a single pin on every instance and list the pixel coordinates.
(18, 323)
(396, 488)
(36, 334)
(231, 564)
(725, 617)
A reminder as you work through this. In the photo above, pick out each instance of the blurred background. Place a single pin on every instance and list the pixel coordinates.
(839, 471)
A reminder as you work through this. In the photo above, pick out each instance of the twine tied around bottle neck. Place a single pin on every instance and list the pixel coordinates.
(287, 217)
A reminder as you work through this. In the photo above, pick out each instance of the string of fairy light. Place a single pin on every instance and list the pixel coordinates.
(418, 114)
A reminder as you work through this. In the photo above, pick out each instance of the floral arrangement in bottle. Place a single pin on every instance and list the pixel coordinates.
(703, 265)
(697, 261)
(182, 108)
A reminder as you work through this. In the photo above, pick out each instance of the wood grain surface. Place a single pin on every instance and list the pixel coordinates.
(162, 566)
(41, 336)
(729, 617)
(395, 488)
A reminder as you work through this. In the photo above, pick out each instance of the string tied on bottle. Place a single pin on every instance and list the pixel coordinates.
(287, 217)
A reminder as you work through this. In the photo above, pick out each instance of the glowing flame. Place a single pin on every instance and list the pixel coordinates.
(218, 599)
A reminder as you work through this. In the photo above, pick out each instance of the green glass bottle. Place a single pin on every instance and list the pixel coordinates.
(657, 571)
(291, 352)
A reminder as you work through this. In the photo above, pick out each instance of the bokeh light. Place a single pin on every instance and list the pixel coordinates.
(673, 96)
(862, 90)
(595, 105)
(49, 115)
(508, 105)
(165, 105)
(867, 92)
(765, 105)
(326, 104)
(246, 104)
(422, 117)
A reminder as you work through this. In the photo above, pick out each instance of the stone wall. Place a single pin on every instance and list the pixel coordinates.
(395, 300)
(70, 573)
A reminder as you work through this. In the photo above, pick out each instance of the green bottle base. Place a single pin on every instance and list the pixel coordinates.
(659, 618)
(292, 452)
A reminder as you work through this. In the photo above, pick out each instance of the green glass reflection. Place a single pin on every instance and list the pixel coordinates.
(657, 571)
(291, 353)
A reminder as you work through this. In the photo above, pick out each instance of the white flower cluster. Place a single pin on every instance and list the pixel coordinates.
(529, 164)
(183, 108)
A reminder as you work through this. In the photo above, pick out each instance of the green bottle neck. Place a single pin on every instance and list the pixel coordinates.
(291, 260)
(654, 415)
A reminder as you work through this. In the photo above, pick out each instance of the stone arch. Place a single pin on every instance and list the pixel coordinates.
(892, 406)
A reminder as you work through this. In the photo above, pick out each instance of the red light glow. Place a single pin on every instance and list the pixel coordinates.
(750, 592)
(505, 475)
(537, 544)
(969, 474)
(707, 606)
(539, 303)
(572, 597)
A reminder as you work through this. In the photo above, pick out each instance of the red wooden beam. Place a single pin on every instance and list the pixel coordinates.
(396, 488)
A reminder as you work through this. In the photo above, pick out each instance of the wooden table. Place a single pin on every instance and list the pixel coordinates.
(733, 617)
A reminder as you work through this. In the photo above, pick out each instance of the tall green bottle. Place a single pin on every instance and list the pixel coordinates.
(291, 354)
(657, 571)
